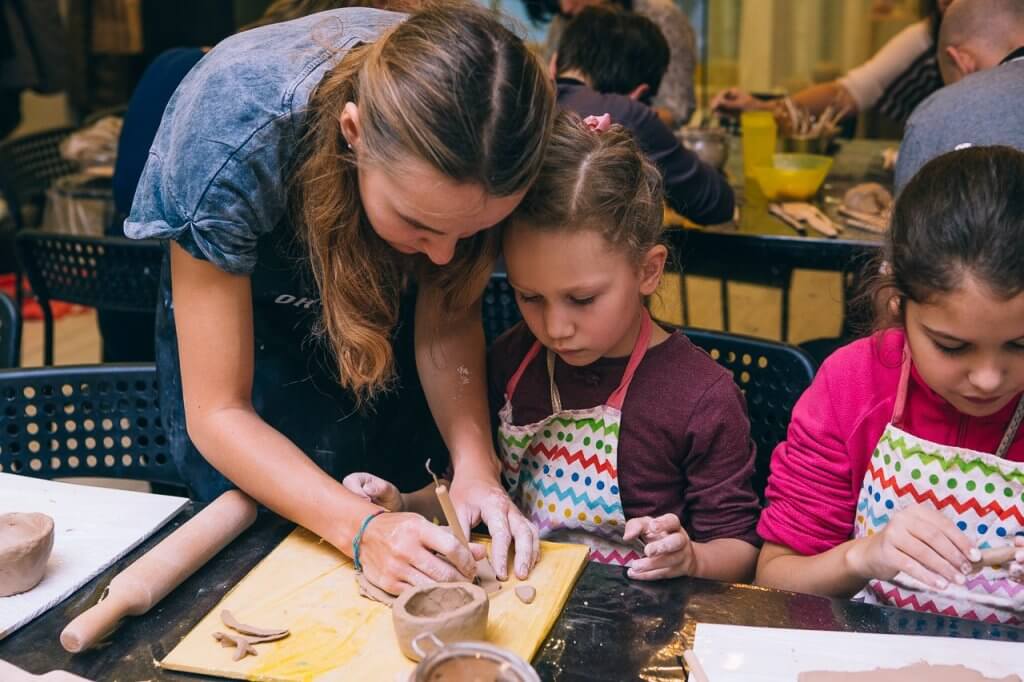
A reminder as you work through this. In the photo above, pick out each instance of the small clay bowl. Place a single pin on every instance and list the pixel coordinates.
(25, 544)
(452, 612)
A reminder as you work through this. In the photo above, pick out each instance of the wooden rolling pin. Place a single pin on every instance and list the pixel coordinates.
(139, 587)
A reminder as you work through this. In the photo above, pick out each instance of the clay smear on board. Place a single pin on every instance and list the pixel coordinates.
(912, 673)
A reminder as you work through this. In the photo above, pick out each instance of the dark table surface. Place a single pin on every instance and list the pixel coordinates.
(611, 629)
(764, 236)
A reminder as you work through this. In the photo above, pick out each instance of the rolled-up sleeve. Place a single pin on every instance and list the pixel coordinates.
(811, 499)
(214, 179)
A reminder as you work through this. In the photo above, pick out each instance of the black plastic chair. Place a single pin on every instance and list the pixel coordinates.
(9, 351)
(763, 261)
(28, 166)
(108, 273)
(771, 375)
(97, 420)
(500, 311)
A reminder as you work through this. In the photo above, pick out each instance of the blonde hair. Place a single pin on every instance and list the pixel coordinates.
(450, 86)
(599, 181)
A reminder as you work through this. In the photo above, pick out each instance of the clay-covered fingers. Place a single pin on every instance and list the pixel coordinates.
(637, 528)
(526, 539)
(669, 544)
(374, 489)
(452, 561)
(496, 517)
(926, 545)
(671, 565)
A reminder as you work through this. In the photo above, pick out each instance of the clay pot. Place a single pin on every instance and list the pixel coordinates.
(452, 612)
(25, 544)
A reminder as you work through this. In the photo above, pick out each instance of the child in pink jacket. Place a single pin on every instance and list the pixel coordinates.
(902, 477)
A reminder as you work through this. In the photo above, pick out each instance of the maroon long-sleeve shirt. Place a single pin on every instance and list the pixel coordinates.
(684, 443)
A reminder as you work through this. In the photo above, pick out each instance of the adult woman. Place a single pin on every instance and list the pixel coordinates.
(318, 193)
(894, 81)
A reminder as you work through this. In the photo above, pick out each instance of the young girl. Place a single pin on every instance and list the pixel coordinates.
(328, 202)
(902, 478)
(615, 432)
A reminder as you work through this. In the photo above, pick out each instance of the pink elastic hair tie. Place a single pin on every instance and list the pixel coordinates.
(598, 124)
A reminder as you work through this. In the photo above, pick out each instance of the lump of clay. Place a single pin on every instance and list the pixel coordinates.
(452, 612)
(526, 593)
(911, 673)
(868, 197)
(25, 544)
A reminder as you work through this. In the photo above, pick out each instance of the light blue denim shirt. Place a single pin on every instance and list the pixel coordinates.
(216, 182)
(216, 177)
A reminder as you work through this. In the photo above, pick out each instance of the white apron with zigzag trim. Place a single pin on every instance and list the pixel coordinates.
(982, 493)
(562, 471)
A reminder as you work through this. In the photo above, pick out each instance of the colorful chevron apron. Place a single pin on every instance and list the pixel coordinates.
(982, 493)
(562, 471)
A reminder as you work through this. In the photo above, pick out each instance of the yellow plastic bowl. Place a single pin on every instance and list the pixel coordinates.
(793, 176)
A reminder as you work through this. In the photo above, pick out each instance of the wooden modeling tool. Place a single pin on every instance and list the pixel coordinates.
(996, 556)
(485, 575)
(139, 587)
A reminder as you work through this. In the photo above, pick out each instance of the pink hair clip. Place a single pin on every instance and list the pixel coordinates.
(598, 124)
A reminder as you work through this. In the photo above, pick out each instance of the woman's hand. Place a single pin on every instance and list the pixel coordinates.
(376, 490)
(920, 542)
(478, 497)
(668, 550)
(736, 100)
(401, 550)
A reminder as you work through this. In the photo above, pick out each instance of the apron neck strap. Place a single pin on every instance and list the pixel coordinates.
(901, 400)
(618, 397)
(901, 389)
(639, 351)
(510, 388)
(1011, 429)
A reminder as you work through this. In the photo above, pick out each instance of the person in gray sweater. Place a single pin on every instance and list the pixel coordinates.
(981, 55)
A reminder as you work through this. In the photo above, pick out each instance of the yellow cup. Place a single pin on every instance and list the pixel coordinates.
(759, 133)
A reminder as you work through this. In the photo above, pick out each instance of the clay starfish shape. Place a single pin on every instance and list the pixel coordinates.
(249, 635)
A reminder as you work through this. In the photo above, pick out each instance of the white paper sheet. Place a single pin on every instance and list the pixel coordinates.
(731, 653)
(93, 528)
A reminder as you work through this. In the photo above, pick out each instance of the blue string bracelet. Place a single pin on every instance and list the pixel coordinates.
(358, 539)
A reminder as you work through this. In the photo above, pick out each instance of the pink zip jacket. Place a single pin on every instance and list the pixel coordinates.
(816, 473)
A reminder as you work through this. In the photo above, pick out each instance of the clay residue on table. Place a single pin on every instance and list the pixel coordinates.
(912, 673)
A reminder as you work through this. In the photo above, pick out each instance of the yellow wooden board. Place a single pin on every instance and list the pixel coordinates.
(309, 587)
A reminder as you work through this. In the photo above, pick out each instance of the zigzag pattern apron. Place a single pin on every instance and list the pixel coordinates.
(982, 493)
(562, 471)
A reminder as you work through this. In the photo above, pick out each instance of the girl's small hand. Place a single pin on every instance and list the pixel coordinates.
(668, 550)
(482, 499)
(376, 490)
(402, 550)
(920, 542)
(1016, 568)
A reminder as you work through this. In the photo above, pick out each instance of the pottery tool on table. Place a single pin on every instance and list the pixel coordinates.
(485, 575)
(91, 530)
(308, 587)
(800, 212)
(139, 587)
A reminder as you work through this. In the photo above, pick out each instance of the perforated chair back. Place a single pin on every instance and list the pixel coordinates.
(500, 311)
(109, 273)
(98, 420)
(9, 350)
(28, 165)
(771, 375)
